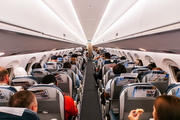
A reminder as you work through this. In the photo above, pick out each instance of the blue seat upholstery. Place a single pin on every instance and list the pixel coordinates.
(25, 81)
(173, 89)
(5, 93)
(39, 73)
(14, 113)
(160, 79)
(50, 101)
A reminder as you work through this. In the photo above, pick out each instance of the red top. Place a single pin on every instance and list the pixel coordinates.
(70, 108)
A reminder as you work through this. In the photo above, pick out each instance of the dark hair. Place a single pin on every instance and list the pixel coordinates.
(73, 62)
(74, 55)
(167, 107)
(53, 57)
(3, 73)
(67, 65)
(139, 62)
(49, 79)
(36, 65)
(107, 55)
(64, 55)
(123, 58)
(22, 99)
(118, 69)
(70, 52)
(178, 76)
(59, 56)
(151, 66)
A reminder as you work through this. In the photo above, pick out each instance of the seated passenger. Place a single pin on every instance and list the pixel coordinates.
(117, 70)
(139, 62)
(20, 72)
(73, 62)
(24, 99)
(70, 105)
(157, 69)
(151, 66)
(165, 107)
(54, 58)
(36, 65)
(4, 76)
(99, 75)
(123, 58)
(68, 65)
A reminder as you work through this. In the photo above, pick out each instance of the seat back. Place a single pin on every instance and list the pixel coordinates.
(17, 114)
(173, 89)
(51, 66)
(160, 79)
(39, 73)
(106, 67)
(109, 75)
(65, 82)
(25, 82)
(139, 69)
(50, 101)
(5, 93)
(137, 95)
(75, 69)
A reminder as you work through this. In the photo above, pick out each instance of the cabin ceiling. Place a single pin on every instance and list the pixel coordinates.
(76, 21)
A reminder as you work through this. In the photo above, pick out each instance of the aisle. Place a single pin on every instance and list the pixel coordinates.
(90, 104)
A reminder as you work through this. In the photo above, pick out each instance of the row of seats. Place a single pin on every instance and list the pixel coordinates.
(50, 97)
(137, 78)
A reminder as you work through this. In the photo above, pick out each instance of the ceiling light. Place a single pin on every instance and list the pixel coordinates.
(2, 53)
(142, 49)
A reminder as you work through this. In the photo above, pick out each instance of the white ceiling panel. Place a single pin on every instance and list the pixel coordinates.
(159, 13)
(36, 15)
(118, 8)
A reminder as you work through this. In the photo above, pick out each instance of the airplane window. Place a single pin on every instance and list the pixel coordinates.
(174, 71)
(120, 53)
(131, 58)
(28, 67)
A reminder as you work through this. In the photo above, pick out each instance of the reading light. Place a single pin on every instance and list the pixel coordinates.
(142, 49)
(2, 53)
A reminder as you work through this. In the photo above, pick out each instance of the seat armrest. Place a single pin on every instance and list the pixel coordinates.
(112, 116)
(107, 107)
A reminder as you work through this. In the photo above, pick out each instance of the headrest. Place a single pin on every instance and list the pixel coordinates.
(20, 71)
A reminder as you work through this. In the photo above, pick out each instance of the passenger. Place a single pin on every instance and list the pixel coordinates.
(99, 75)
(36, 65)
(65, 55)
(165, 107)
(157, 69)
(123, 58)
(73, 62)
(139, 62)
(70, 105)
(24, 99)
(177, 78)
(4, 76)
(68, 65)
(74, 55)
(54, 58)
(20, 72)
(117, 70)
(151, 66)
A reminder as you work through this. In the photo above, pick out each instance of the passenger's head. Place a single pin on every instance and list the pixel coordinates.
(59, 56)
(67, 65)
(107, 55)
(64, 55)
(49, 79)
(20, 72)
(177, 78)
(54, 58)
(74, 55)
(139, 62)
(166, 107)
(123, 58)
(25, 99)
(151, 66)
(157, 69)
(36, 65)
(4, 75)
(73, 62)
(118, 69)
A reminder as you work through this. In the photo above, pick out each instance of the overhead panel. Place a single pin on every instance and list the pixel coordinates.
(114, 10)
(36, 15)
(65, 10)
(90, 13)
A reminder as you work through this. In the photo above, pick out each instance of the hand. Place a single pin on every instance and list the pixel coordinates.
(133, 116)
